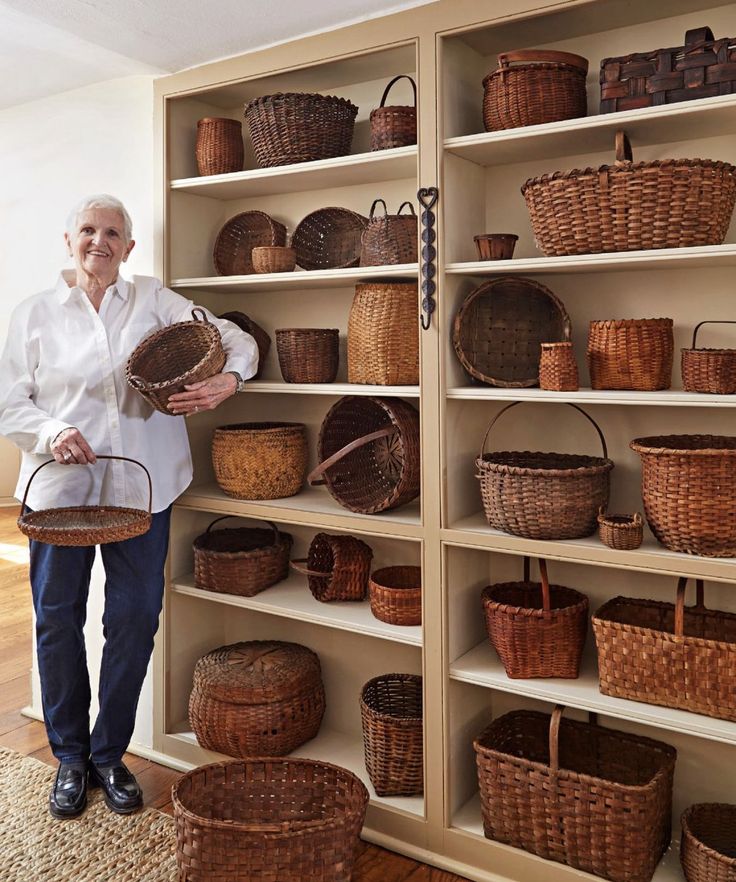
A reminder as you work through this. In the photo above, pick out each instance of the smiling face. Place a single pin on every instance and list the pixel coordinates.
(98, 243)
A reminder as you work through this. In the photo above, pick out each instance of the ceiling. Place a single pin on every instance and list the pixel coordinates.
(51, 46)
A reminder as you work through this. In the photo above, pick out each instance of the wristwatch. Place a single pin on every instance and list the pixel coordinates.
(241, 382)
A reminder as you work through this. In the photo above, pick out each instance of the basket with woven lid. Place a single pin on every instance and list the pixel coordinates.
(258, 698)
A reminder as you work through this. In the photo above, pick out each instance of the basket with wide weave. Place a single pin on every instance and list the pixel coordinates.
(396, 595)
(667, 203)
(631, 354)
(233, 250)
(263, 341)
(329, 238)
(395, 125)
(499, 329)
(709, 370)
(537, 629)
(532, 87)
(291, 820)
(308, 355)
(383, 334)
(389, 238)
(688, 484)
(219, 148)
(260, 460)
(624, 532)
(368, 451)
(669, 655)
(337, 568)
(174, 356)
(596, 799)
(240, 560)
(393, 734)
(260, 698)
(708, 845)
(543, 495)
(558, 370)
(299, 127)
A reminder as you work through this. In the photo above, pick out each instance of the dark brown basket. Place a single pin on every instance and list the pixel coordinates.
(545, 87)
(289, 820)
(369, 453)
(631, 354)
(389, 239)
(396, 125)
(543, 495)
(260, 698)
(596, 799)
(299, 127)
(558, 370)
(537, 629)
(708, 846)
(233, 251)
(709, 370)
(393, 734)
(337, 568)
(668, 203)
(240, 560)
(396, 595)
(85, 524)
(308, 355)
(624, 532)
(329, 238)
(219, 149)
(668, 655)
(495, 246)
(273, 259)
(500, 327)
(172, 357)
(263, 341)
(688, 484)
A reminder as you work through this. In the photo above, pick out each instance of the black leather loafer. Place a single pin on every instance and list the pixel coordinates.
(122, 792)
(68, 797)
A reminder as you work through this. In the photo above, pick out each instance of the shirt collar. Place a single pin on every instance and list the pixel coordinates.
(65, 286)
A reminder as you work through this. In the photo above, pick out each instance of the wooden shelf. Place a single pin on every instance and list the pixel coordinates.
(330, 389)
(300, 279)
(665, 398)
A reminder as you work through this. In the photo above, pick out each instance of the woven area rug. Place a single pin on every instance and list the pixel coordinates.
(98, 846)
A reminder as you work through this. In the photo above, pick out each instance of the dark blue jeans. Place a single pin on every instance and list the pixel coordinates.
(134, 584)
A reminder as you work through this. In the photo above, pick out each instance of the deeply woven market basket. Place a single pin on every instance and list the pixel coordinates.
(336, 567)
(233, 250)
(329, 238)
(396, 595)
(291, 820)
(308, 355)
(389, 238)
(709, 370)
(219, 148)
(395, 125)
(631, 354)
(708, 845)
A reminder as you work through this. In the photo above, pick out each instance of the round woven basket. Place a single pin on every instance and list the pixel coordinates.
(263, 341)
(219, 148)
(631, 354)
(233, 251)
(308, 355)
(624, 532)
(396, 595)
(337, 568)
(395, 125)
(389, 238)
(708, 846)
(329, 238)
(273, 259)
(709, 370)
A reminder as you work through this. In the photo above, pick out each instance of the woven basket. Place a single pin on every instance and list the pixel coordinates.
(289, 820)
(631, 354)
(495, 246)
(392, 238)
(383, 334)
(299, 127)
(329, 238)
(219, 148)
(393, 734)
(173, 357)
(668, 655)
(624, 532)
(708, 846)
(669, 203)
(233, 251)
(500, 327)
(688, 484)
(337, 568)
(369, 453)
(709, 370)
(273, 259)
(543, 495)
(537, 629)
(396, 595)
(558, 370)
(395, 125)
(240, 560)
(85, 524)
(308, 355)
(260, 698)
(263, 341)
(545, 87)
(260, 460)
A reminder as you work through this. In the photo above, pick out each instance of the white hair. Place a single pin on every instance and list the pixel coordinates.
(100, 200)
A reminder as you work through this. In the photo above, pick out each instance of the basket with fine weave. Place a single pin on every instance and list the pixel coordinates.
(273, 259)
(708, 845)
(396, 595)
(667, 203)
(390, 238)
(174, 356)
(709, 370)
(669, 655)
(329, 238)
(395, 125)
(308, 355)
(219, 147)
(596, 799)
(624, 532)
(263, 341)
(336, 567)
(631, 354)
(233, 249)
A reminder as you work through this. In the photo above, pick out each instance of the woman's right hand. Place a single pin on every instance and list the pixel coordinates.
(70, 447)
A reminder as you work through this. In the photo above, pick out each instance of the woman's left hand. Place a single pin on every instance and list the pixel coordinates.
(205, 395)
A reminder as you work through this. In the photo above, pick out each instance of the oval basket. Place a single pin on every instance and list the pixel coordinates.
(337, 568)
(233, 251)
(631, 354)
(219, 149)
(263, 341)
(708, 846)
(390, 238)
(709, 370)
(624, 532)
(396, 595)
(329, 238)
(395, 125)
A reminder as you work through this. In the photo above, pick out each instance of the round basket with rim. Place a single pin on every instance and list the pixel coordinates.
(396, 595)
(389, 238)
(708, 845)
(337, 567)
(624, 532)
(219, 148)
(329, 238)
(709, 370)
(233, 250)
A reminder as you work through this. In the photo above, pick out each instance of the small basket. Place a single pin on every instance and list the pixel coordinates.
(624, 532)
(242, 560)
(709, 370)
(329, 238)
(395, 125)
(708, 845)
(233, 250)
(308, 355)
(631, 354)
(393, 734)
(558, 370)
(396, 595)
(537, 629)
(219, 149)
(495, 246)
(263, 341)
(84, 525)
(337, 568)
(390, 239)
(273, 259)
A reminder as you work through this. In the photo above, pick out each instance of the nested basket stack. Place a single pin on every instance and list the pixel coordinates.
(396, 595)
(337, 568)
(624, 532)
(631, 354)
(709, 370)
(395, 125)
(219, 149)
(329, 238)
(708, 845)
(232, 254)
(558, 370)
(308, 355)
(389, 238)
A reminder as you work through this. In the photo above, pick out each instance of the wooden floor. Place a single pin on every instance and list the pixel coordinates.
(29, 737)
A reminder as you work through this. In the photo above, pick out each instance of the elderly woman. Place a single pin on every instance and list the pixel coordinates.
(64, 396)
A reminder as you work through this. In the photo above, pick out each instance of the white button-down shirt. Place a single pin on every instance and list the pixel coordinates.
(64, 365)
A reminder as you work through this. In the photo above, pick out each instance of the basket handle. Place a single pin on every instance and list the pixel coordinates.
(138, 383)
(316, 473)
(550, 55)
(554, 737)
(680, 603)
(298, 565)
(373, 208)
(196, 318)
(710, 322)
(273, 526)
(696, 37)
(395, 80)
(623, 148)
(99, 456)
(411, 208)
(546, 601)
